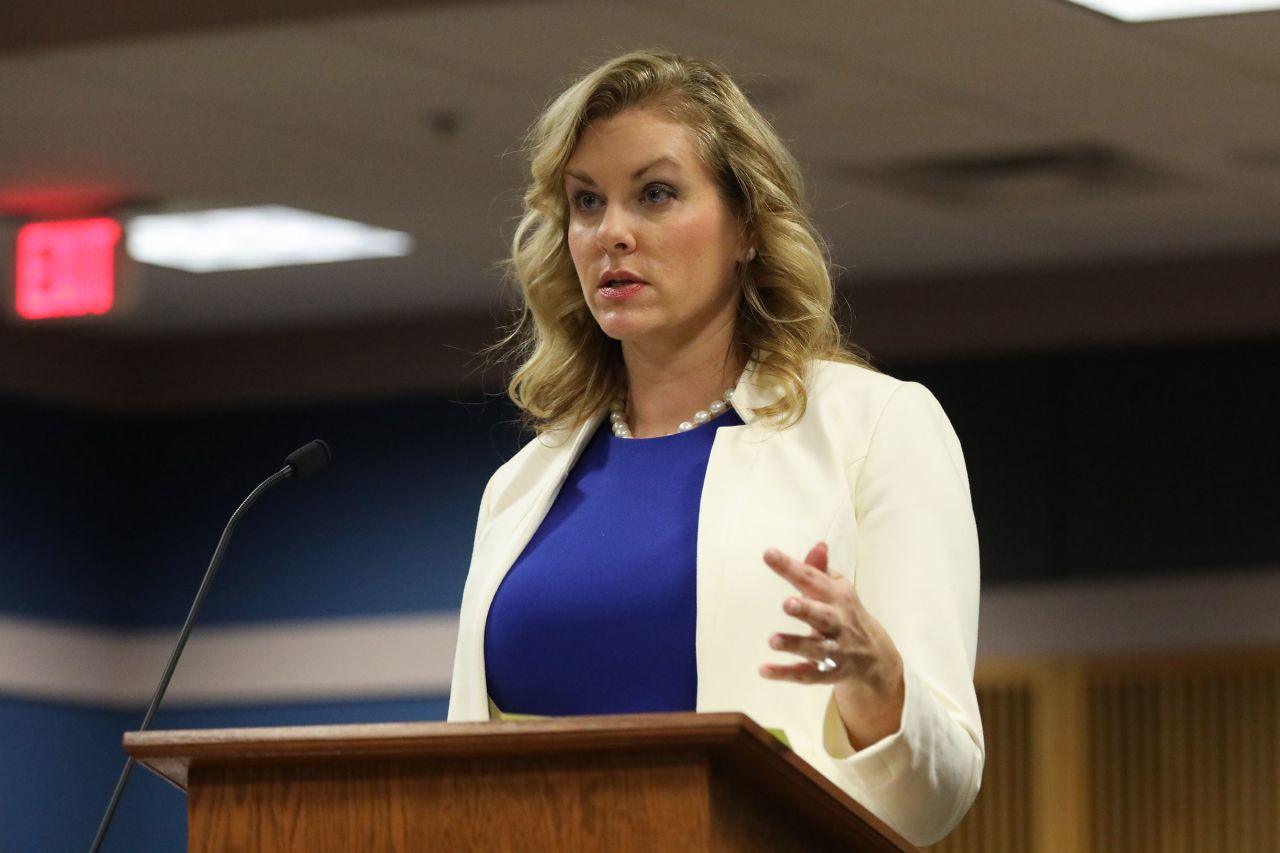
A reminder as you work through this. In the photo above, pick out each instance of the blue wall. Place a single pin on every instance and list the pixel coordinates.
(55, 467)
(1083, 464)
(61, 763)
(112, 520)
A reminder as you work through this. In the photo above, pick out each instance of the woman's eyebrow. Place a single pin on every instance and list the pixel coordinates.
(664, 159)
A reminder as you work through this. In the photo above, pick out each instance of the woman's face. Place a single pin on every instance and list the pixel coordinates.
(653, 243)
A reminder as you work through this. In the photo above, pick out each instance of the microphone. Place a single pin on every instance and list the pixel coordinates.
(309, 458)
(303, 462)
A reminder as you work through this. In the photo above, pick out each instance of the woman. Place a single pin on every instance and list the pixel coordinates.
(714, 475)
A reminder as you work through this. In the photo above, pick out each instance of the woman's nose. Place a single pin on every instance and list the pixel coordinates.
(616, 233)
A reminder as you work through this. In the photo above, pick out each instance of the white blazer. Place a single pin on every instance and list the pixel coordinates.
(875, 470)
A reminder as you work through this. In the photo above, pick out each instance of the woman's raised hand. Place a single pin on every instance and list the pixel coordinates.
(846, 647)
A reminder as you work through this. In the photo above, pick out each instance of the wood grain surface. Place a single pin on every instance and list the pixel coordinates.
(715, 782)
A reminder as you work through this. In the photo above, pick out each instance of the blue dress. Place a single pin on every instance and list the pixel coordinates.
(597, 616)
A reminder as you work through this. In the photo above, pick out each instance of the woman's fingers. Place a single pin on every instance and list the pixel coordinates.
(812, 647)
(803, 673)
(847, 646)
(821, 617)
(805, 577)
(828, 604)
(817, 557)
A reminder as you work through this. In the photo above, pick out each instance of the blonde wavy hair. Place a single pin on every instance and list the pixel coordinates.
(569, 369)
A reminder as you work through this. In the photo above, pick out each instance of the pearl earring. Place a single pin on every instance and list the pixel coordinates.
(750, 255)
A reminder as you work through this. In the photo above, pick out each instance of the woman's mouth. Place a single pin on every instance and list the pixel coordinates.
(620, 288)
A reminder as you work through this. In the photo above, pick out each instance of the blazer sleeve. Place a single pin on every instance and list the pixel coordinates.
(917, 573)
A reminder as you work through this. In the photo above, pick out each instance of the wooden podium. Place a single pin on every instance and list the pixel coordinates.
(645, 782)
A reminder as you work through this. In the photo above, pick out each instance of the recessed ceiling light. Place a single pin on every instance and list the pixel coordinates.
(1161, 10)
(246, 238)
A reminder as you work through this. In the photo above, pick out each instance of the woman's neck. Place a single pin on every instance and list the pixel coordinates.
(664, 389)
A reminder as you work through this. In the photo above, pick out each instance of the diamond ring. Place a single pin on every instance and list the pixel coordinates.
(826, 664)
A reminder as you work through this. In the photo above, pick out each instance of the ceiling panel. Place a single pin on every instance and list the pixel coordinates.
(1046, 65)
(1248, 44)
(412, 120)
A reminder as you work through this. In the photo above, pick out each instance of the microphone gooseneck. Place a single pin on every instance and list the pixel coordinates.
(304, 461)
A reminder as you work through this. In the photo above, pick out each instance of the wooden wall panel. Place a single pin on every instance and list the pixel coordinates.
(1141, 755)
(1183, 757)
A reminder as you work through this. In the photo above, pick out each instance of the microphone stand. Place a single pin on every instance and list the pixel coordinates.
(283, 474)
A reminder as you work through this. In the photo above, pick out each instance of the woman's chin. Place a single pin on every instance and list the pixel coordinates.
(626, 329)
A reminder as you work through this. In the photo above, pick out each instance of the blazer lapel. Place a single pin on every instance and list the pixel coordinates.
(728, 494)
(505, 540)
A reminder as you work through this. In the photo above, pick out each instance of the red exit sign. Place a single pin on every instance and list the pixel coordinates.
(66, 269)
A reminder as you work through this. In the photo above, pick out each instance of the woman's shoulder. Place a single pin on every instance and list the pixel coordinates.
(849, 385)
(857, 398)
(850, 378)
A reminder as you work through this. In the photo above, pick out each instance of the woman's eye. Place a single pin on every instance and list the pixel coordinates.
(586, 201)
(657, 193)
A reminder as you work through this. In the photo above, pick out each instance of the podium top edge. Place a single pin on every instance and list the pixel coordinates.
(180, 748)
(629, 729)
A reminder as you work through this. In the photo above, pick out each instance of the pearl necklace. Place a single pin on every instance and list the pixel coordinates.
(618, 415)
